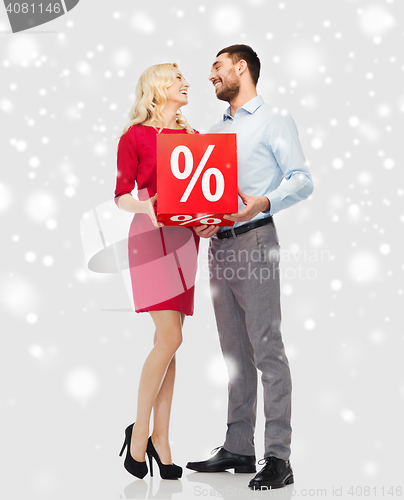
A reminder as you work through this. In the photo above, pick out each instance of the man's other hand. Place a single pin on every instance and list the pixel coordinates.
(206, 231)
(254, 205)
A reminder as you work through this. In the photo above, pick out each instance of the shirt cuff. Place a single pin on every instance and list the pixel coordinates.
(267, 211)
(275, 201)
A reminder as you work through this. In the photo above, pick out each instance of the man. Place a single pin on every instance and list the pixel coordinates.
(244, 270)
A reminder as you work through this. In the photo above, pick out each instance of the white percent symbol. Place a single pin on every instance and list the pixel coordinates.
(189, 165)
(204, 219)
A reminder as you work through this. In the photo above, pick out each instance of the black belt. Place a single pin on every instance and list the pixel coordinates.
(228, 233)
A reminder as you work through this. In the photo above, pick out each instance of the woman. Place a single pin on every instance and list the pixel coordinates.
(157, 274)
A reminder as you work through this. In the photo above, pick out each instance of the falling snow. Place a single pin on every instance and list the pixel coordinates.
(73, 350)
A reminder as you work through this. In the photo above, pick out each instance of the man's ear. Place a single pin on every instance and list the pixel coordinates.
(242, 66)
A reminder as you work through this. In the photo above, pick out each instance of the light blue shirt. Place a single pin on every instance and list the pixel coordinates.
(268, 151)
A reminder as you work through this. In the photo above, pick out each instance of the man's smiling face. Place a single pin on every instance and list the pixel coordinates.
(224, 78)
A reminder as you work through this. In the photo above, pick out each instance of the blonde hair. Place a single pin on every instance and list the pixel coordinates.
(151, 97)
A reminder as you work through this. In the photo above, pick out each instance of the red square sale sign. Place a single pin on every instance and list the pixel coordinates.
(196, 179)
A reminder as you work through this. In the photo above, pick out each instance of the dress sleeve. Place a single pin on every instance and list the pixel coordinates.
(127, 164)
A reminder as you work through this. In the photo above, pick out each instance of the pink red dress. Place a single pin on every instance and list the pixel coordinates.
(162, 261)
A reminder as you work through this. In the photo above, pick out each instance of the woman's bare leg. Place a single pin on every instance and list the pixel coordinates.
(162, 410)
(168, 340)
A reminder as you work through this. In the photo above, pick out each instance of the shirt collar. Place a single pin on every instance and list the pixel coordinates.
(250, 107)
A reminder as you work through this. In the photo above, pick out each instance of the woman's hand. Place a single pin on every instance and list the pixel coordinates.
(150, 210)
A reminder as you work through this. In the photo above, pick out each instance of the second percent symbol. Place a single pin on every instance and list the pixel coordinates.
(203, 219)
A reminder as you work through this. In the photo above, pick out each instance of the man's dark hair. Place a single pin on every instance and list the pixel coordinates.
(238, 52)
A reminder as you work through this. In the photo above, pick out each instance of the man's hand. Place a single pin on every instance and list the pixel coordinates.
(206, 231)
(254, 205)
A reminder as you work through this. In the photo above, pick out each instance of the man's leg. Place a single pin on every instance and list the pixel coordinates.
(237, 351)
(259, 297)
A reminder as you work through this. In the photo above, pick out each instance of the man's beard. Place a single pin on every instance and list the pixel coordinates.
(229, 90)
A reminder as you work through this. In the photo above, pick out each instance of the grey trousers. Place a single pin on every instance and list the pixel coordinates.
(244, 281)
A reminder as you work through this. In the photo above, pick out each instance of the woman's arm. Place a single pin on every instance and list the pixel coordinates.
(127, 165)
(127, 203)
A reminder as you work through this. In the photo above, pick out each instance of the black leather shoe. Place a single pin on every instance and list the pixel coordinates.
(224, 460)
(275, 474)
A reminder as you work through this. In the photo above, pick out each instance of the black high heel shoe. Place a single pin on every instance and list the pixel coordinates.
(138, 469)
(170, 471)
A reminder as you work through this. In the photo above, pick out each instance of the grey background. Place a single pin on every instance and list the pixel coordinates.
(72, 351)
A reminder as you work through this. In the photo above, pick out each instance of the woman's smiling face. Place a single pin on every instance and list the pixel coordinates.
(178, 91)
